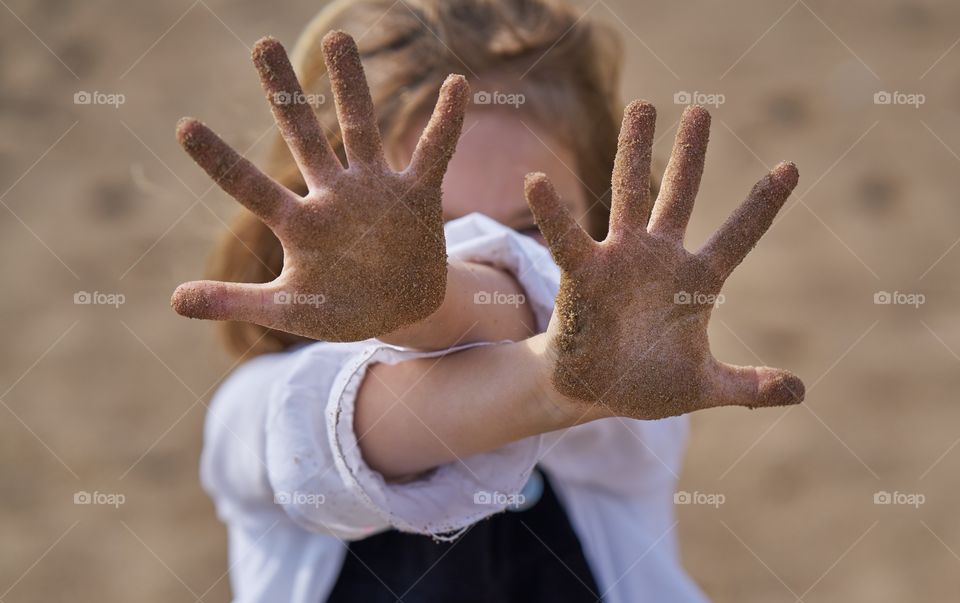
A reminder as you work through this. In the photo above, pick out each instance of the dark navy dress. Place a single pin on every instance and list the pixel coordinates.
(527, 555)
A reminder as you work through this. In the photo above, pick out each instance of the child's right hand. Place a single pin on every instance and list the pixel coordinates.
(629, 333)
(364, 250)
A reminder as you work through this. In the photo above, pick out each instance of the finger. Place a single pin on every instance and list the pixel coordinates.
(632, 201)
(259, 193)
(215, 300)
(738, 235)
(294, 114)
(755, 387)
(439, 138)
(681, 181)
(569, 244)
(358, 121)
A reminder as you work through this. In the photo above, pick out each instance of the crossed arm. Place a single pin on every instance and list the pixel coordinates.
(618, 343)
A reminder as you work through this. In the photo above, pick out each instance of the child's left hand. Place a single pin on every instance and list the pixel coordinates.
(629, 333)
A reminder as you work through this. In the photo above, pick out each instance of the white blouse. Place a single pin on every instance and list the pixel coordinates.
(282, 465)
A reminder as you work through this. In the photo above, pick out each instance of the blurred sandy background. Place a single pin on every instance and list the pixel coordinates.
(111, 400)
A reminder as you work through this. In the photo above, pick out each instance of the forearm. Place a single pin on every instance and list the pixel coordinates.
(482, 303)
(416, 415)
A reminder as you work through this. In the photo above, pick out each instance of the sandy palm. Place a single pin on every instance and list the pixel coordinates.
(364, 250)
(630, 326)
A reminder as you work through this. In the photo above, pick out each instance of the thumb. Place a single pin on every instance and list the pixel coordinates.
(215, 300)
(755, 386)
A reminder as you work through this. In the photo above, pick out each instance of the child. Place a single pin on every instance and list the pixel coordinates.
(411, 377)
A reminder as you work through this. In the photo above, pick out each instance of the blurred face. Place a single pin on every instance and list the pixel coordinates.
(497, 148)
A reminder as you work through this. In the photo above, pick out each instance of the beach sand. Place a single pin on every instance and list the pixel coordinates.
(112, 399)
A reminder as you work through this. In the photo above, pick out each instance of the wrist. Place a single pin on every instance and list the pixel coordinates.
(468, 313)
(560, 411)
(433, 331)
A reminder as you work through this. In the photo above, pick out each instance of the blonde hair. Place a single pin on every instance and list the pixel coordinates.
(566, 66)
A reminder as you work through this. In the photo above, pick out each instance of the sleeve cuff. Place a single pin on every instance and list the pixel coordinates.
(483, 240)
(444, 502)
